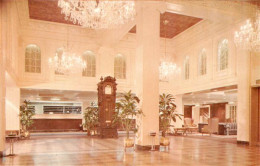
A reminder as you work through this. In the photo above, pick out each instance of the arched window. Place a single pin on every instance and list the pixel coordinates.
(120, 66)
(186, 68)
(223, 55)
(203, 62)
(32, 59)
(59, 53)
(90, 59)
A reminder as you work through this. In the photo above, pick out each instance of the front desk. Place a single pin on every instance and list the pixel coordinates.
(56, 123)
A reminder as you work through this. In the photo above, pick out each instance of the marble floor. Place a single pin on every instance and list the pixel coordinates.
(82, 150)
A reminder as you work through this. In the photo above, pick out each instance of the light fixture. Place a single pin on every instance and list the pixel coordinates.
(166, 67)
(67, 62)
(248, 37)
(98, 14)
(55, 99)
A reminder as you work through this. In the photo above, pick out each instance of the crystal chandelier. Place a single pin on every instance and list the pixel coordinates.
(166, 67)
(99, 14)
(248, 37)
(67, 62)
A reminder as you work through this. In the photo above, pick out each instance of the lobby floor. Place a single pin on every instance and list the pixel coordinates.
(81, 150)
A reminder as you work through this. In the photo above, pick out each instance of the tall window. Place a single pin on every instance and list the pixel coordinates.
(223, 55)
(59, 53)
(203, 62)
(186, 68)
(32, 59)
(90, 59)
(120, 66)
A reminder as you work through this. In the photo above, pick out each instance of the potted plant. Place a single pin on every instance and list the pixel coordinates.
(167, 110)
(26, 121)
(91, 118)
(126, 110)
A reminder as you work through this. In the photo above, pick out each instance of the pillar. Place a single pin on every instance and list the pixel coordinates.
(147, 70)
(2, 81)
(243, 96)
(179, 110)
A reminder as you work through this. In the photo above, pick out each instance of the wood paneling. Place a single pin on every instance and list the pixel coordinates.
(177, 24)
(218, 111)
(48, 10)
(258, 113)
(56, 125)
(254, 117)
(187, 111)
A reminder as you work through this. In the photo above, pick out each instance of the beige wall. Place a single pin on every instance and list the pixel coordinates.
(12, 104)
(2, 77)
(205, 35)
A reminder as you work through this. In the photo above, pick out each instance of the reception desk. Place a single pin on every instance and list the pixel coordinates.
(56, 123)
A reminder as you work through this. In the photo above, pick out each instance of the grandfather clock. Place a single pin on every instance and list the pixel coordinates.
(106, 105)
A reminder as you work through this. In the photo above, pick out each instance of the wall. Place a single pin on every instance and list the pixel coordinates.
(12, 104)
(187, 111)
(3, 21)
(219, 111)
(207, 35)
(39, 105)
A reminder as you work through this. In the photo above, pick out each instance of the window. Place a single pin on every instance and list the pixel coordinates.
(186, 68)
(120, 66)
(90, 59)
(59, 53)
(32, 59)
(202, 62)
(223, 55)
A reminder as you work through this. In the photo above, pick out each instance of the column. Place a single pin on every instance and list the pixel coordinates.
(179, 110)
(243, 96)
(106, 61)
(2, 81)
(147, 70)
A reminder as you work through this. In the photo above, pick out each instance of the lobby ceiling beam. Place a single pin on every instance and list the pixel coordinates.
(110, 37)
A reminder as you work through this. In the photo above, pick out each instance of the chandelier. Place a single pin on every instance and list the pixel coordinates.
(99, 14)
(166, 67)
(67, 62)
(248, 37)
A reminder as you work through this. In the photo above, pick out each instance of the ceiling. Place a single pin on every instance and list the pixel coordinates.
(48, 10)
(37, 95)
(220, 95)
(177, 24)
(57, 95)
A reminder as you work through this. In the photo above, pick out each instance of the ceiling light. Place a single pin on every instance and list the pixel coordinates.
(55, 99)
(166, 67)
(248, 37)
(67, 62)
(98, 14)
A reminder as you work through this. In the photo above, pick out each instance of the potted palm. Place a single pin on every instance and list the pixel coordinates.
(26, 114)
(91, 118)
(126, 111)
(168, 113)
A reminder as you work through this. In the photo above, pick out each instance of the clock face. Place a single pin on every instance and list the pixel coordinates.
(108, 90)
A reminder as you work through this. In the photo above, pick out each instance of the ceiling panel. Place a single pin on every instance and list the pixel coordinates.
(177, 24)
(48, 10)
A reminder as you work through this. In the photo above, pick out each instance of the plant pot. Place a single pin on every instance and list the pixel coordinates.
(129, 142)
(164, 141)
(25, 134)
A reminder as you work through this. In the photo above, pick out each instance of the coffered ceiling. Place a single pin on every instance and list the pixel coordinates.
(177, 24)
(48, 10)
